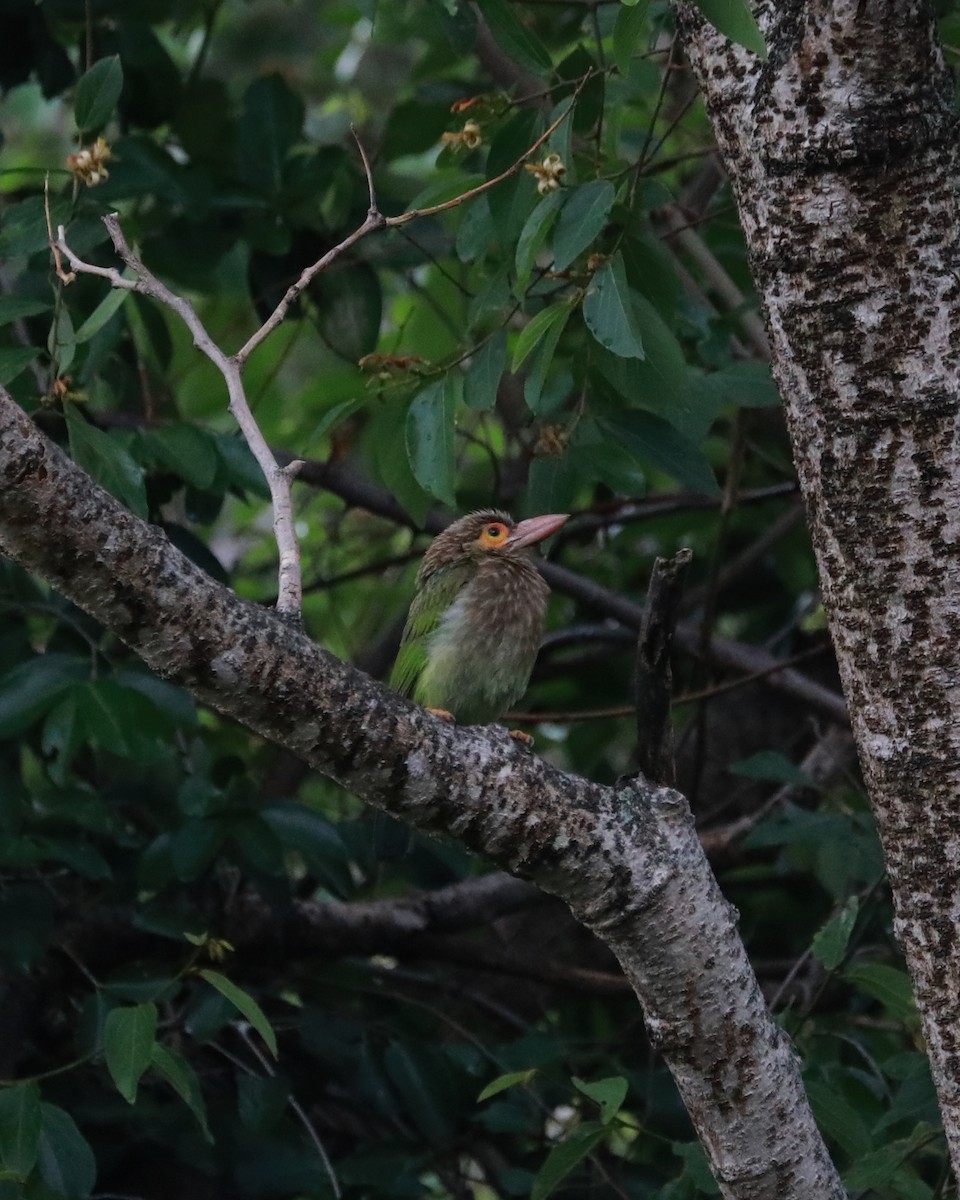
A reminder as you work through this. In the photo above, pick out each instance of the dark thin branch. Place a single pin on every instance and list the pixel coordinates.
(653, 675)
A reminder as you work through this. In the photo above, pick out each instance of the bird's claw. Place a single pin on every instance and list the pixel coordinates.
(525, 739)
(443, 714)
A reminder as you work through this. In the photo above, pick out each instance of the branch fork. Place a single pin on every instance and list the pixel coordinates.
(231, 367)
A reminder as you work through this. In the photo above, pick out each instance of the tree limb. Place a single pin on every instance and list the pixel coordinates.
(625, 859)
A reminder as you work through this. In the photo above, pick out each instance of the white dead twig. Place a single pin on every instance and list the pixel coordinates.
(231, 367)
(290, 586)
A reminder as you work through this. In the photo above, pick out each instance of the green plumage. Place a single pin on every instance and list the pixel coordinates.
(475, 623)
(431, 601)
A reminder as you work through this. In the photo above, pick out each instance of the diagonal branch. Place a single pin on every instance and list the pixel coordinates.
(625, 859)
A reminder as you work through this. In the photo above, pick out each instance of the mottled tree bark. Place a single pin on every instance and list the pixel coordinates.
(625, 859)
(842, 149)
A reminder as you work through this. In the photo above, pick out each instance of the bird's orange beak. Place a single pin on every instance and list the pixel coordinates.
(535, 529)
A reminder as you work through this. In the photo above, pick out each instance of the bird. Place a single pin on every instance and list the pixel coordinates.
(474, 627)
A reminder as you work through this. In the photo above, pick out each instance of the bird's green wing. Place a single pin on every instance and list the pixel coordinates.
(433, 598)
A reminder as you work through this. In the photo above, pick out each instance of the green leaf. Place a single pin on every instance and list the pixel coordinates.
(129, 1034)
(502, 1082)
(349, 307)
(19, 1127)
(24, 230)
(626, 32)
(122, 720)
(66, 1162)
(15, 308)
(242, 468)
(482, 380)
(386, 434)
(735, 20)
(429, 438)
(175, 1069)
(332, 418)
(564, 1157)
(245, 1004)
(98, 91)
(889, 985)
(608, 310)
(773, 766)
(512, 37)
(14, 359)
(533, 235)
(536, 330)
(269, 125)
(194, 847)
(838, 1118)
(187, 451)
(695, 1167)
(104, 311)
(745, 384)
(875, 1171)
(609, 1093)
(33, 687)
(61, 343)
(553, 483)
(511, 201)
(107, 461)
(416, 1071)
(653, 440)
(582, 220)
(533, 385)
(660, 383)
(830, 943)
(26, 920)
(261, 1100)
(476, 230)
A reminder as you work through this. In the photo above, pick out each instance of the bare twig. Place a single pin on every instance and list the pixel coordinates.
(414, 213)
(653, 674)
(290, 588)
(373, 220)
(279, 479)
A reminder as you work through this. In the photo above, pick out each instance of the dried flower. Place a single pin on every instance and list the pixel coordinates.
(470, 137)
(548, 173)
(88, 164)
(552, 441)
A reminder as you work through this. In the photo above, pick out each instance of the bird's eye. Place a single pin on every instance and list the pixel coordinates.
(494, 534)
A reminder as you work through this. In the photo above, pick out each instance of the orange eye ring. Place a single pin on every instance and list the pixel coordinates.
(493, 535)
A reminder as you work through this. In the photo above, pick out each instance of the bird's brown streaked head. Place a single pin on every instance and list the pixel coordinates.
(489, 532)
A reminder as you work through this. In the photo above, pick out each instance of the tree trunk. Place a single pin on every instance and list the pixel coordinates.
(842, 148)
(626, 859)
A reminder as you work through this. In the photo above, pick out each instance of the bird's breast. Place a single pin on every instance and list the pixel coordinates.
(480, 657)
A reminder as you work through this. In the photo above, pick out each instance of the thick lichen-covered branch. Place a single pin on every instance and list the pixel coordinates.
(626, 860)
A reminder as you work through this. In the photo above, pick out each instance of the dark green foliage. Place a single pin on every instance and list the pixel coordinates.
(169, 1027)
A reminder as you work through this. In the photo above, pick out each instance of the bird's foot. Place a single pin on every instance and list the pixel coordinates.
(525, 739)
(443, 714)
